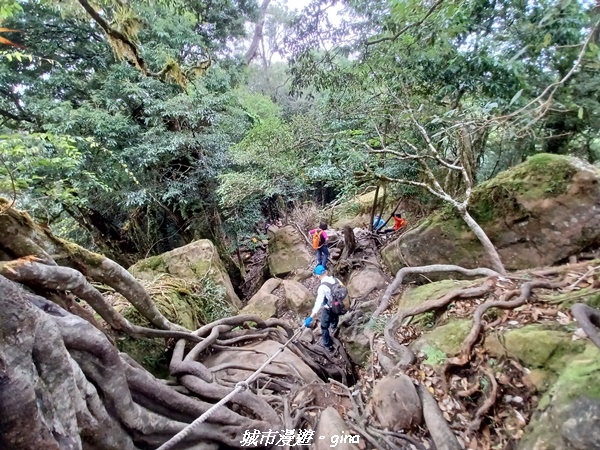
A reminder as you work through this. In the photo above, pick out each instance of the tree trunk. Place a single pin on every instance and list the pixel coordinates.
(349, 243)
(374, 207)
(258, 32)
(488, 247)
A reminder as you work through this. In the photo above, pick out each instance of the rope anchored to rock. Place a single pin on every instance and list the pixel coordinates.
(239, 387)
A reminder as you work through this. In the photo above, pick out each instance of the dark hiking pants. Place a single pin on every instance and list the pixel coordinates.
(322, 255)
(328, 320)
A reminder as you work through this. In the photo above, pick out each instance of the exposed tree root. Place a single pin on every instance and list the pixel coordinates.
(552, 271)
(504, 303)
(589, 320)
(395, 322)
(21, 238)
(92, 392)
(489, 402)
(64, 278)
(434, 268)
(440, 431)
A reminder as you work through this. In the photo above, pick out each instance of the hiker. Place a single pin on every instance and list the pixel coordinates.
(319, 243)
(378, 223)
(399, 222)
(330, 296)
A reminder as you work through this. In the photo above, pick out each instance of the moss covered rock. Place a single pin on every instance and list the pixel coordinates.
(193, 262)
(568, 417)
(415, 296)
(443, 341)
(182, 302)
(536, 214)
(353, 336)
(535, 345)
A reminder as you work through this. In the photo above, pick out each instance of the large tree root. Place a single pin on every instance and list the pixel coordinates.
(504, 303)
(64, 278)
(489, 402)
(20, 237)
(440, 431)
(394, 324)
(589, 320)
(64, 385)
(434, 268)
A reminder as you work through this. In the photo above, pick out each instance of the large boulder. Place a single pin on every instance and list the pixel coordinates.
(288, 251)
(536, 214)
(365, 281)
(298, 298)
(196, 261)
(396, 404)
(264, 302)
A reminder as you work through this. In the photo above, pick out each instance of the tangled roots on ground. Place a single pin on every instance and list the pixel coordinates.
(63, 382)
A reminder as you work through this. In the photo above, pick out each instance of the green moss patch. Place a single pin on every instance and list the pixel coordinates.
(187, 304)
(447, 339)
(154, 263)
(536, 346)
(418, 295)
(580, 376)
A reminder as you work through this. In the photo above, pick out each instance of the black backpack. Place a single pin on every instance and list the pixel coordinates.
(338, 294)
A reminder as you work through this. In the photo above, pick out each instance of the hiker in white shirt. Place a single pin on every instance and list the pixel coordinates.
(328, 318)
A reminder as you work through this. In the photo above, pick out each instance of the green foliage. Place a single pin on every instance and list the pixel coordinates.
(9, 8)
(212, 303)
(148, 154)
(46, 165)
(463, 62)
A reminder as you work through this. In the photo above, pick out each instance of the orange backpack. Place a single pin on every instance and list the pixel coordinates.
(317, 238)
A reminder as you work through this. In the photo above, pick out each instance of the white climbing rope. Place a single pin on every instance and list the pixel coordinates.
(242, 385)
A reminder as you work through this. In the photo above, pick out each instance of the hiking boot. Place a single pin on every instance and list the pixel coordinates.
(328, 347)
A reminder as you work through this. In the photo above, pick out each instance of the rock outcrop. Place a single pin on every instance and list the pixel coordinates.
(365, 281)
(288, 252)
(192, 262)
(536, 214)
(298, 298)
(264, 303)
(353, 336)
(443, 341)
(396, 404)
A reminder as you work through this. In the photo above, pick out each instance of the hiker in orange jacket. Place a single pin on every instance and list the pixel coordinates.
(321, 244)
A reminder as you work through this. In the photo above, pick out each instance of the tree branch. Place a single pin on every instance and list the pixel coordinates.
(407, 27)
